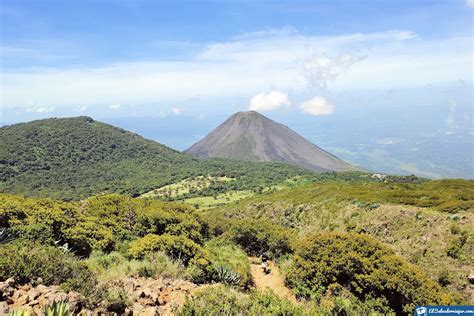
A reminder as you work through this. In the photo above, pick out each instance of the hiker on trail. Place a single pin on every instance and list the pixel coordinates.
(265, 258)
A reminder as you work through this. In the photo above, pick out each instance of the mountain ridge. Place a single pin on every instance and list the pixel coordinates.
(251, 136)
(72, 158)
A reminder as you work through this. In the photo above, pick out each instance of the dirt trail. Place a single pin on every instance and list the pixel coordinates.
(273, 280)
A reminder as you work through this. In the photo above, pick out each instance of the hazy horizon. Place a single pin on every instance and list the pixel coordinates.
(393, 95)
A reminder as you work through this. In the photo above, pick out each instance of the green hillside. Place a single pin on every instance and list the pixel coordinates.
(428, 223)
(72, 158)
(97, 246)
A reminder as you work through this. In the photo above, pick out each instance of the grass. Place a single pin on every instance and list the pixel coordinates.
(207, 202)
(182, 189)
(185, 186)
(115, 266)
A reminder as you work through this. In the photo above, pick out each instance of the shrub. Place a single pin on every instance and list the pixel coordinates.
(86, 236)
(26, 262)
(115, 266)
(455, 249)
(365, 267)
(116, 300)
(223, 300)
(257, 236)
(229, 264)
(178, 247)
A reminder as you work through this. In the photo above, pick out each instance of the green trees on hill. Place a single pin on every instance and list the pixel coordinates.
(74, 158)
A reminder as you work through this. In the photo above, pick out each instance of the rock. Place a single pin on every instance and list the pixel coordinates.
(38, 310)
(39, 280)
(149, 311)
(58, 297)
(33, 302)
(34, 294)
(136, 309)
(470, 277)
(4, 309)
(23, 300)
(10, 282)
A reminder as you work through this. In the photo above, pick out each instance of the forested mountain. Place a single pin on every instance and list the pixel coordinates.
(250, 136)
(72, 158)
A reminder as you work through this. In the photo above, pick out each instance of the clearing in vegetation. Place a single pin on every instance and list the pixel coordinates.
(272, 280)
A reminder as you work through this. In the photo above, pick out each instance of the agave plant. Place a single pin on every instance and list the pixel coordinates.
(64, 247)
(57, 309)
(227, 276)
(6, 236)
(19, 312)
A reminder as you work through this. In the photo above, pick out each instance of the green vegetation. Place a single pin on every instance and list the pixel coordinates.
(91, 245)
(178, 247)
(257, 236)
(229, 263)
(108, 266)
(55, 309)
(74, 158)
(439, 242)
(370, 271)
(27, 261)
(223, 300)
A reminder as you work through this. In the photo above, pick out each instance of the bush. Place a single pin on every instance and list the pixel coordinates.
(26, 262)
(229, 263)
(115, 266)
(178, 247)
(455, 249)
(365, 267)
(223, 300)
(257, 236)
(86, 236)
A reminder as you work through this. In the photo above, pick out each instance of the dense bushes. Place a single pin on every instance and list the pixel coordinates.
(370, 271)
(99, 223)
(257, 236)
(177, 247)
(26, 262)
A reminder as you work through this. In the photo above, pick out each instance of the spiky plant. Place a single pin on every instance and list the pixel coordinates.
(19, 312)
(6, 236)
(57, 309)
(64, 247)
(227, 276)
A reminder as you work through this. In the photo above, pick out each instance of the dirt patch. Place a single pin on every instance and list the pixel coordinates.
(273, 280)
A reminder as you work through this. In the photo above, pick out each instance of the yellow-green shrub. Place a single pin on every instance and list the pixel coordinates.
(224, 254)
(178, 247)
(27, 261)
(257, 236)
(363, 265)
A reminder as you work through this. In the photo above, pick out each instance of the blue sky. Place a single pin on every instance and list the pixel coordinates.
(386, 85)
(165, 58)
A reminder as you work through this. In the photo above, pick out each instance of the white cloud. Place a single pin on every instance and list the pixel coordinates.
(114, 106)
(83, 108)
(40, 109)
(256, 61)
(470, 3)
(317, 106)
(320, 70)
(269, 101)
(177, 110)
